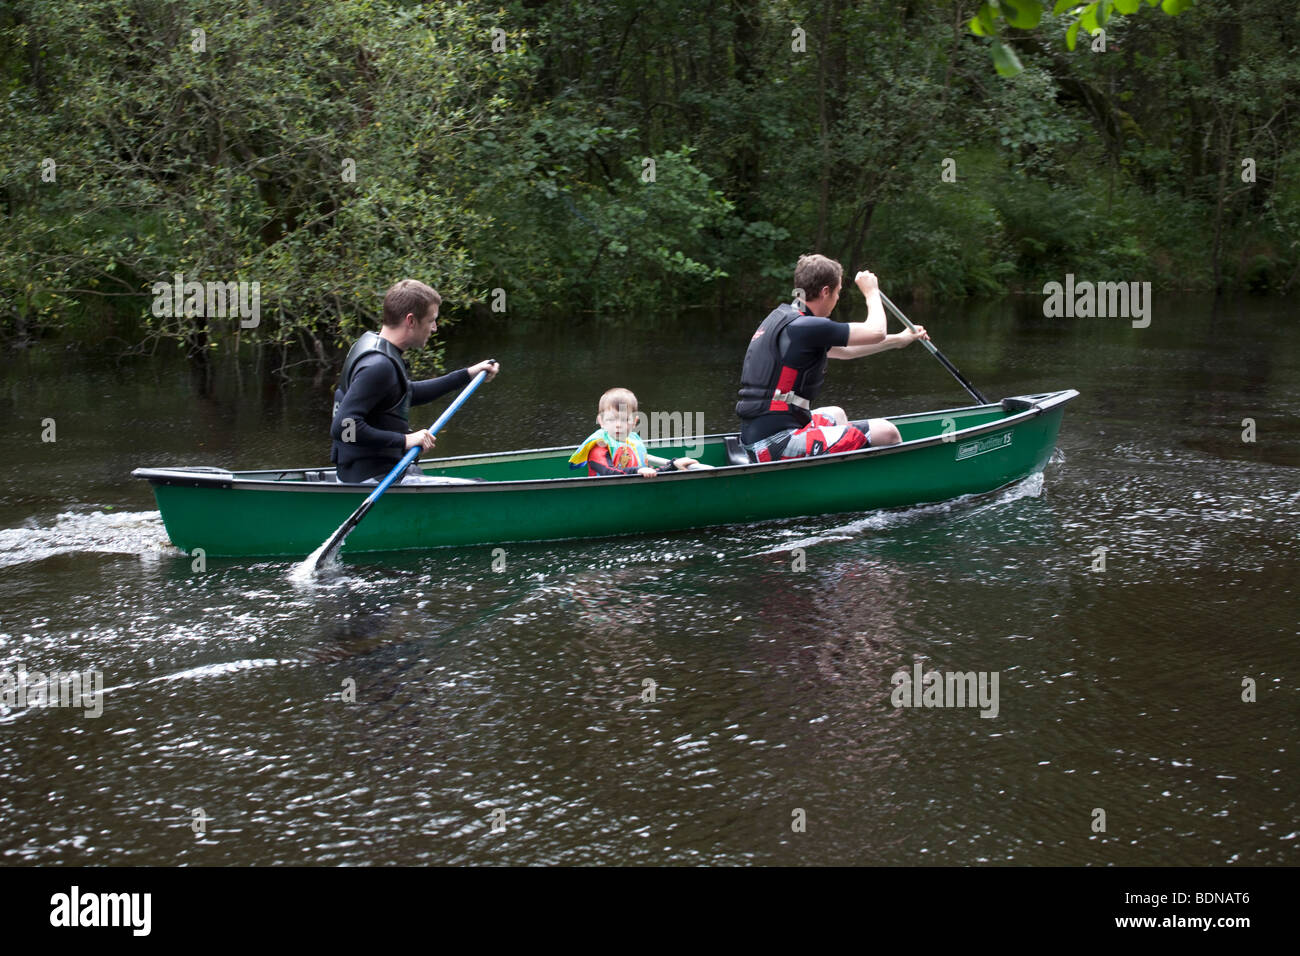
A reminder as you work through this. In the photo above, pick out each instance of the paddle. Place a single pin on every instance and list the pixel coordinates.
(965, 383)
(335, 541)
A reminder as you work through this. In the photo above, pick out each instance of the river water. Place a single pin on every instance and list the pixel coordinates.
(503, 717)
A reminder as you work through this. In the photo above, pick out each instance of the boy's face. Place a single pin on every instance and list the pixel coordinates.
(619, 421)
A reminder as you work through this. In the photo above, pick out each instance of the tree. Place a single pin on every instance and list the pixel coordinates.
(1074, 16)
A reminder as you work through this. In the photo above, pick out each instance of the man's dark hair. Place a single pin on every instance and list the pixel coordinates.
(814, 272)
(408, 297)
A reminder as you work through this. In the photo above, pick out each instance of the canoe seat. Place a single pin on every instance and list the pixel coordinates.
(736, 454)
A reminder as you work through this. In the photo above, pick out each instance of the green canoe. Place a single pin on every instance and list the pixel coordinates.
(534, 496)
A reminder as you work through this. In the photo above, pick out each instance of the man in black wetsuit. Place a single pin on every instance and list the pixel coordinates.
(372, 405)
(785, 365)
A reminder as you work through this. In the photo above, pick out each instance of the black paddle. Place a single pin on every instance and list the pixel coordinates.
(335, 541)
(965, 383)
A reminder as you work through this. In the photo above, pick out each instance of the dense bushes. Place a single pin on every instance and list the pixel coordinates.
(619, 155)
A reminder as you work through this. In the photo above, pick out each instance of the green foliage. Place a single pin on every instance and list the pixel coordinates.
(575, 227)
(944, 243)
(1076, 15)
(222, 156)
(507, 147)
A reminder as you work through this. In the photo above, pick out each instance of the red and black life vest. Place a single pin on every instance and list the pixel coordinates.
(766, 385)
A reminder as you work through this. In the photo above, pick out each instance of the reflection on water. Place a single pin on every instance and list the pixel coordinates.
(675, 699)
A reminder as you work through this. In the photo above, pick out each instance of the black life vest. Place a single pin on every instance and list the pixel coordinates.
(396, 418)
(766, 385)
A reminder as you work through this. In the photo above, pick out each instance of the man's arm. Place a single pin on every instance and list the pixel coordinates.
(872, 331)
(373, 384)
(431, 388)
(896, 341)
(869, 337)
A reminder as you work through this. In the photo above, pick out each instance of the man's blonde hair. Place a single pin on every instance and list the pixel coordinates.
(615, 398)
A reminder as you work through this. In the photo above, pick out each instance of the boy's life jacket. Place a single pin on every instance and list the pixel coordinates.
(622, 454)
(766, 385)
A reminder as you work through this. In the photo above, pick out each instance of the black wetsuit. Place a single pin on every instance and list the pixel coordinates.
(369, 402)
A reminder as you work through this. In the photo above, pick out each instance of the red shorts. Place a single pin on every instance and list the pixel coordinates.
(821, 436)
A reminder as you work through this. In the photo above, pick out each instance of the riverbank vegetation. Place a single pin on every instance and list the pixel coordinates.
(617, 156)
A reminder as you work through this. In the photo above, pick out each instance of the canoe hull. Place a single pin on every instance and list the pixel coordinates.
(232, 515)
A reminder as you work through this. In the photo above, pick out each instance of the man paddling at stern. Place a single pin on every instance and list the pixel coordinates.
(786, 364)
(372, 405)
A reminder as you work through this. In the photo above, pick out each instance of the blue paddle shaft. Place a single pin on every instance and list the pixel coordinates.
(414, 452)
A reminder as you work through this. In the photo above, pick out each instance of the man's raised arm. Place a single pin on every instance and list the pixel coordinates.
(869, 337)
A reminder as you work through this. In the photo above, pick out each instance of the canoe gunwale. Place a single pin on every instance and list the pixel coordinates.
(217, 478)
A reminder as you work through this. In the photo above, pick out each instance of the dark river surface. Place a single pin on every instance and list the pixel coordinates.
(500, 716)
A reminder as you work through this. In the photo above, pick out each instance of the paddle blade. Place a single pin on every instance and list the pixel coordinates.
(330, 549)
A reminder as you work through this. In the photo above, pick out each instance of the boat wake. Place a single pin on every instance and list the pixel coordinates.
(1030, 487)
(225, 668)
(99, 532)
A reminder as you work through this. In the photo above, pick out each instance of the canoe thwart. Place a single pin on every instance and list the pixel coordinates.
(736, 454)
(1018, 404)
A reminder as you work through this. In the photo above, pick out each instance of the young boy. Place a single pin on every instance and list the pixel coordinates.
(615, 449)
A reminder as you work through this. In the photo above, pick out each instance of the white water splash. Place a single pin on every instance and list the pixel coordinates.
(9, 715)
(305, 572)
(100, 532)
(212, 670)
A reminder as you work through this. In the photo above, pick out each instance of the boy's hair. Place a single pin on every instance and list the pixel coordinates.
(616, 397)
(814, 272)
(408, 297)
